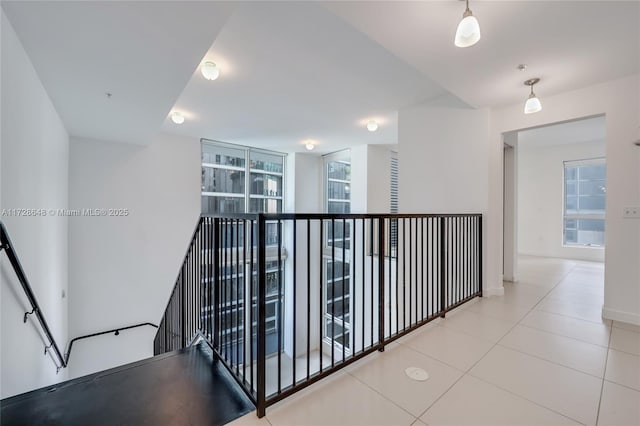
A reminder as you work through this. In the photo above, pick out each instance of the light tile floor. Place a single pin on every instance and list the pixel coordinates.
(539, 355)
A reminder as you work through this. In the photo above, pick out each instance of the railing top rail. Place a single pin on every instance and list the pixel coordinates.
(320, 216)
(117, 331)
(247, 216)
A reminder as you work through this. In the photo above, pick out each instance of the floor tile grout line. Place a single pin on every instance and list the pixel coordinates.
(568, 337)
(622, 385)
(383, 396)
(534, 308)
(533, 327)
(524, 398)
(484, 339)
(516, 322)
(624, 352)
(625, 329)
(468, 372)
(266, 417)
(433, 358)
(552, 288)
(441, 395)
(610, 326)
(552, 362)
(604, 374)
(569, 316)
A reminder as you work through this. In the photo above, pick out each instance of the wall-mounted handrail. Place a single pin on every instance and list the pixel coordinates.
(7, 246)
(115, 331)
(63, 361)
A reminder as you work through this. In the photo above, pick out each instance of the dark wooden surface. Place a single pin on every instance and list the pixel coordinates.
(179, 388)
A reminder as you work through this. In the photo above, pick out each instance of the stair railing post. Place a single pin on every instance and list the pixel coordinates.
(443, 267)
(262, 335)
(381, 302)
(214, 281)
(183, 309)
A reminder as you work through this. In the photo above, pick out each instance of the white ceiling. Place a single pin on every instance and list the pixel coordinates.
(568, 44)
(587, 130)
(298, 70)
(292, 71)
(142, 52)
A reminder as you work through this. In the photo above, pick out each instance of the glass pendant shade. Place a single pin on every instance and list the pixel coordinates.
(177, 118)
(210, 71)
(468, 32)
(532, 105)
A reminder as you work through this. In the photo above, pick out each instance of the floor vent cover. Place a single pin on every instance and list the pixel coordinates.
(416, 373)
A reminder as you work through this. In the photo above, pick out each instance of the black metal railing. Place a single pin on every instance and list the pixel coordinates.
(7, 246)
(285, 300)
(60, 360)
(115, 331)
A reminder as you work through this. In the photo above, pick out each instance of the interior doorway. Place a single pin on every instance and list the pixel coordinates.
(554, 192)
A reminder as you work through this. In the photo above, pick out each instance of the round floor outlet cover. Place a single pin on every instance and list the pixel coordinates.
(416, 373)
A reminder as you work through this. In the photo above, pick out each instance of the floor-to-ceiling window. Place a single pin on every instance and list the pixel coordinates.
(238, 179)
(337, 251)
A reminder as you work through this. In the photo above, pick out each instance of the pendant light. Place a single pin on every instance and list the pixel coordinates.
(210, 70)
(177, 117)
(468, 32)
(533, 103)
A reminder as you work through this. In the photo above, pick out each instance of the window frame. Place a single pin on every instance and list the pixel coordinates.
(248, 171)
(565, 216)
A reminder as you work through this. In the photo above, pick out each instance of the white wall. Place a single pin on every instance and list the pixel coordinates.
(34, 171)
(540, 199)
(123, 268)
(304, 187)
(443, 158)
(359, 178)
(378, 179)
(510, 269)
(619, 100)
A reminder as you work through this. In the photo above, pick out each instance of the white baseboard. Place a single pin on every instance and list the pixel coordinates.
(493, 291)
(622, 316)
(510, 279)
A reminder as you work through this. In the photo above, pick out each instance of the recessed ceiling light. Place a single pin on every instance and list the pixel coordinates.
(372, 125)
(468, 31)
(210, 70)
(177, 118)
(533, 103)
(310, 146)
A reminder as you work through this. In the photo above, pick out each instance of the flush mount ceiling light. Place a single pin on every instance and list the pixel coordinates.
(210, 70)
(310, 146)
(533, 103)
(177, 118)
(372, 125)
(468, 32)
